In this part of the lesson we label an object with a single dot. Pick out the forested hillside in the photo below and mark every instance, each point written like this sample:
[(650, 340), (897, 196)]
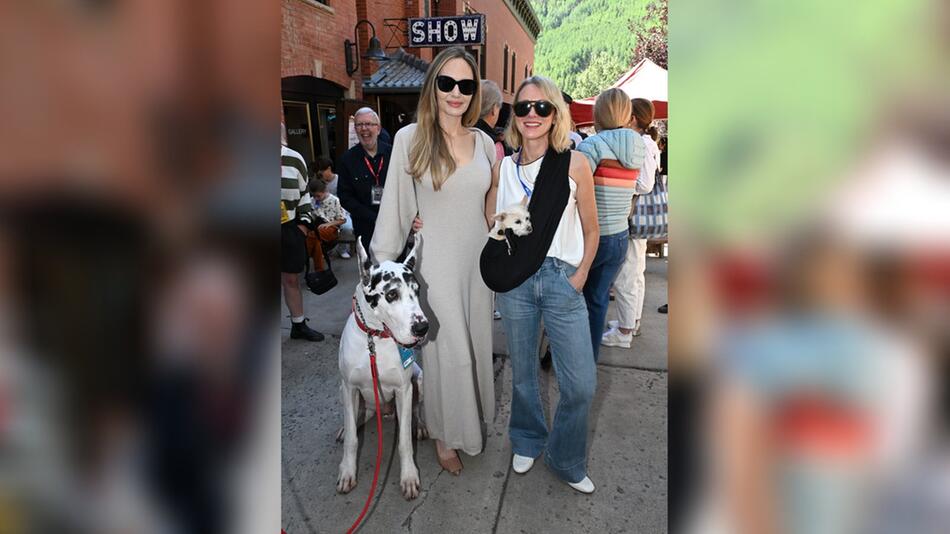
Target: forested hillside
[(586, 44)]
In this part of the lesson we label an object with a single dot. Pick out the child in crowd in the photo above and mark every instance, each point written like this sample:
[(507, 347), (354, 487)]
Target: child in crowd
[(329, 216), (324, 171)]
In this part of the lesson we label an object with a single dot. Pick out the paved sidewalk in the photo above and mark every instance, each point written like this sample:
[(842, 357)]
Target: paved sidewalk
[(627, 458)]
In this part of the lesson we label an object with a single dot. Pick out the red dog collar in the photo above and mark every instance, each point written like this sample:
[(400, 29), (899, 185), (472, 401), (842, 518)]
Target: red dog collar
[(369, 331)]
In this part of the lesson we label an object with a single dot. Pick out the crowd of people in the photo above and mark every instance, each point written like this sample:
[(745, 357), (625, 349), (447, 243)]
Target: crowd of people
[(445, 176)]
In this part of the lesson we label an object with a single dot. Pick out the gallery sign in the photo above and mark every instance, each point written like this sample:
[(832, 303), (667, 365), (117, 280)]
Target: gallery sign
[(447, 31)]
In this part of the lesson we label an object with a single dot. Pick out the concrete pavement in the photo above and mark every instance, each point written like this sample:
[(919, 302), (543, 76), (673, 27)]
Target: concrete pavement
[(627, 455)]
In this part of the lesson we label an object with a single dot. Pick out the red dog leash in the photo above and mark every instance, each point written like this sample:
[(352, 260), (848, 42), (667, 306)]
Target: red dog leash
[(371, 345)]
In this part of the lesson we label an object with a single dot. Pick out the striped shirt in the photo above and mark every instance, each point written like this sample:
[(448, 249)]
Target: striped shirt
[(616, 158), (293, 186)]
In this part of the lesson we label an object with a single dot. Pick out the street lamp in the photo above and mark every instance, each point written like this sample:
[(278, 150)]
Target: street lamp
[(375, 51)]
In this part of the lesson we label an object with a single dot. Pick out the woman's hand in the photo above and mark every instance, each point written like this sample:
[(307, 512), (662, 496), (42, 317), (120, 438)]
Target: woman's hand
[(416, 224), (578, 279)]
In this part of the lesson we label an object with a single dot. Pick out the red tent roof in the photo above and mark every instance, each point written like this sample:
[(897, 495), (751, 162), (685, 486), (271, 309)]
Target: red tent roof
[(645, 80)]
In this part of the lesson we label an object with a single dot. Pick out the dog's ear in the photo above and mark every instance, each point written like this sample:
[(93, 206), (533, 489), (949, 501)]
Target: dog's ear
[(499, 216), (363, 261), (410, 260)]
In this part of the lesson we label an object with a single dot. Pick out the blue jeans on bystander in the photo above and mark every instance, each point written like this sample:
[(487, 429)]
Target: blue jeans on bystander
[(611, 251)]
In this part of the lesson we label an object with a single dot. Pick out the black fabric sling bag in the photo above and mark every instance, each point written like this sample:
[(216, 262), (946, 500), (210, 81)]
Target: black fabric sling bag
[(502, 271)]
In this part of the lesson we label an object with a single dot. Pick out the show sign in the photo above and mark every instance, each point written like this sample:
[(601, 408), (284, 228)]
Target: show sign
[(447, 31)]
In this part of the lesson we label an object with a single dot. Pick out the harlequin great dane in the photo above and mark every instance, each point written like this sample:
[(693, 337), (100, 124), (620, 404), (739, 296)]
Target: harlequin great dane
[(386, 315)]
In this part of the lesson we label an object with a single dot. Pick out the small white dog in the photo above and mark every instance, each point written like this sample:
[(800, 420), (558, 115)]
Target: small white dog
[(516, 217), (386, 313)]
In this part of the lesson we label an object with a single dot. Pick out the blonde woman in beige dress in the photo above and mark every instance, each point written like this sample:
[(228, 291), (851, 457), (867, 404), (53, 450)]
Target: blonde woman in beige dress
[(442, 169)]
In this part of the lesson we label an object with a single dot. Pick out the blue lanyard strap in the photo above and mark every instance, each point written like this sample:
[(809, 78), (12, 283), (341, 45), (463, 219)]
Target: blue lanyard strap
[(518, 173)]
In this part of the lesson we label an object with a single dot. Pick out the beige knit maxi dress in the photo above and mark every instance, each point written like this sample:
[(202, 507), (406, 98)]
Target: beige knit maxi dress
[(458, 384)]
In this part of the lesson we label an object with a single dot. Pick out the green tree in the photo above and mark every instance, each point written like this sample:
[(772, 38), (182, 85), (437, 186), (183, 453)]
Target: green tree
[(585, 45), (650, 32), (600, 73)]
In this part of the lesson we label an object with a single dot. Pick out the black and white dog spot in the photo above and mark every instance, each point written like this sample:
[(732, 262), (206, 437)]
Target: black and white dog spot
[(372, 300)]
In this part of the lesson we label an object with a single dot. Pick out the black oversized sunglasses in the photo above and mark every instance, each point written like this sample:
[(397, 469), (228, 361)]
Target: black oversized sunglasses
[(447, 83), (542, 107)]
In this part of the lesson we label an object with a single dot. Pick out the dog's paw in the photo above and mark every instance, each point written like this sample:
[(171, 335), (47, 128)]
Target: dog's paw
[(346, 481), (410, 486), (421, 431)]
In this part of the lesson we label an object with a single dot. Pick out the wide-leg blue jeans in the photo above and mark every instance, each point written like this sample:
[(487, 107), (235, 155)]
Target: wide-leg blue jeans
[(548, 295)]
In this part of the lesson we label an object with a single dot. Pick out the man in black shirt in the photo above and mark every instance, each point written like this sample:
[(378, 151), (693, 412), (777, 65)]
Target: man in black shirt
[(362, 175)]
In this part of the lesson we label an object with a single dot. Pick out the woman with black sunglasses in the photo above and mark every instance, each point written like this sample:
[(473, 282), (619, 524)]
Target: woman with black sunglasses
[(441, 168), (559, 187)]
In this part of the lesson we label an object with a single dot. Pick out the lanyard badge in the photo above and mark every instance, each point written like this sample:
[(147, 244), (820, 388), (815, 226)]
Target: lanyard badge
[(377, 190)]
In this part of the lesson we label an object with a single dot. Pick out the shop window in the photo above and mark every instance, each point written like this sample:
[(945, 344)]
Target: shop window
[(514, 58), (299, 128), (478, 52), (482, 65), (504, 71), (326, 135)]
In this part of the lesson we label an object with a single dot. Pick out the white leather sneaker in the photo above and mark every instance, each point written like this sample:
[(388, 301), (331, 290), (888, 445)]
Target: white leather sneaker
[(521, 464), (615, 325), (616, 338), (584, 486)]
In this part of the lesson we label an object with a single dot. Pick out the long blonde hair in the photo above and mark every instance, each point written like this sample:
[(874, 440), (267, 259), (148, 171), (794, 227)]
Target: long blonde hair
[(429, 151), (559, 136)]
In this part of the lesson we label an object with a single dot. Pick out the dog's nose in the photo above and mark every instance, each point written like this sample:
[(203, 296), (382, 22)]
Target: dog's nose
[(419, 329)]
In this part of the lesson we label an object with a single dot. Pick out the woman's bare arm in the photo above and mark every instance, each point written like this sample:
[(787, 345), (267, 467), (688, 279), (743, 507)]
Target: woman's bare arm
[(587, 209)]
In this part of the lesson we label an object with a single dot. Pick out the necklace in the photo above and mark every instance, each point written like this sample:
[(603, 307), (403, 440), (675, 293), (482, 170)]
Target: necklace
[(528, 191)]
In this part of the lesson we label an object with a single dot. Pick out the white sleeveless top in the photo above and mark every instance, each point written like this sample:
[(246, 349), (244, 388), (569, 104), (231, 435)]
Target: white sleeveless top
[(568, 242)]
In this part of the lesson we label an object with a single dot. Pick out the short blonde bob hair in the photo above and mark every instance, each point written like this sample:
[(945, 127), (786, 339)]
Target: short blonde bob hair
[(612, 110), (559, 135)]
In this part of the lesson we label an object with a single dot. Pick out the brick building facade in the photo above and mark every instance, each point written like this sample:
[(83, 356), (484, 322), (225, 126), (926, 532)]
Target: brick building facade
[(318, 93)]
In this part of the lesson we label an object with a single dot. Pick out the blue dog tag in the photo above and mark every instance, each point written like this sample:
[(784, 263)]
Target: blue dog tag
[(407, 356)]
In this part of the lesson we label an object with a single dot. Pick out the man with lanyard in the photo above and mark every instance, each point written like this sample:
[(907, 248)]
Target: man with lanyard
[(362, 175)]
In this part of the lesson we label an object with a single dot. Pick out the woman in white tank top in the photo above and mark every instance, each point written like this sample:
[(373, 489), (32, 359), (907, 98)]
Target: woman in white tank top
[(568, 244), (553, 293)]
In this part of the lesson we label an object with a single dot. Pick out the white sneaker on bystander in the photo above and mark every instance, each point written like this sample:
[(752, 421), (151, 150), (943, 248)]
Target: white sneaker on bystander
[(615, 338)]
